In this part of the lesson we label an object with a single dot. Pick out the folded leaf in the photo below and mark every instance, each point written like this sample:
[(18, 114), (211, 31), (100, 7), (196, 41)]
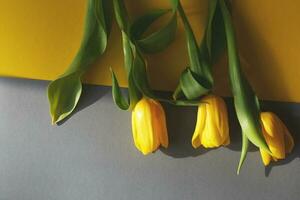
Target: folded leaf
[(193, 85), (160, 39), (201, 58), (59, 95), (142, 24), (64, 92)]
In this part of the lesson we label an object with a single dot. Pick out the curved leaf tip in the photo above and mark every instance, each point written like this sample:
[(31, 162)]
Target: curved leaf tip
[(118, 98), (63, 96), (64, 92)]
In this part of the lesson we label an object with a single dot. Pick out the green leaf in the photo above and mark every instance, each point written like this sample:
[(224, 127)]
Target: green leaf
[(193, 53), (200, 58), (134, 94), (140, 75), (64, 92), (174, 4), (63, 99), (215, 37), (121, 15), (192, 46), (245, 100), (193, 85), (160, 39), (119, 99), (142, 24), (128, 51), (214, 41), (135, 63), (178, 93), (245, 146)]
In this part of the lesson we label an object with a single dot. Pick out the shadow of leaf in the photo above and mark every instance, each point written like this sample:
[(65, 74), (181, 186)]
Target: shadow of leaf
[(90, 95), (181, 123)]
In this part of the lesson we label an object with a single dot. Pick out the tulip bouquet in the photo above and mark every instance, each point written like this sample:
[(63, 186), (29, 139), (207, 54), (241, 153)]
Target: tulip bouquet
[(263, 129)]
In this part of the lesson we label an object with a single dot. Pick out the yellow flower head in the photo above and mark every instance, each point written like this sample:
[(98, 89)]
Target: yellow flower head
[(277, 137), (212, 128), (149, 126)]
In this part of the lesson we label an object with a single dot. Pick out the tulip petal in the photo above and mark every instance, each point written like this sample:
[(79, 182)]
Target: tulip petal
[(155, 125), (212, 123), (134, 130), (273, 131), (227, 141), (159, 124), (268, 123), (196, 141), (223, 121), (150, 139), (211, 137), (289, 141), (143, 124), (201, 118), (266, 158)]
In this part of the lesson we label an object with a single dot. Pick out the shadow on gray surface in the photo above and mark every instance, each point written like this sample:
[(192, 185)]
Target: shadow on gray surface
[(181, 122), (90, 95)]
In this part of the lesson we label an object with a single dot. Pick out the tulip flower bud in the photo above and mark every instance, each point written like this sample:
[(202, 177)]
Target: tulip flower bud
[(277, 137), (212, 128), (149, 126)]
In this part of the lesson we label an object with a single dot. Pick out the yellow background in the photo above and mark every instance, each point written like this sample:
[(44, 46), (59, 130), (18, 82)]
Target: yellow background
[(39, 38)]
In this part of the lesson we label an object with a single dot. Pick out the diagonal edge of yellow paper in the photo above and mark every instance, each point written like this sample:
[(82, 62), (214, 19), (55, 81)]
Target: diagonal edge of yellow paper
[(38, 40)]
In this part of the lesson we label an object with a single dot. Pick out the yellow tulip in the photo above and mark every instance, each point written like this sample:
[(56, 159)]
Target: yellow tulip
[(149, 126), (277, 137), (212, 128)]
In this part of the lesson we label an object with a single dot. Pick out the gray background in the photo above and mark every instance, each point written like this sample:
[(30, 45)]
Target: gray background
[(92, 156)]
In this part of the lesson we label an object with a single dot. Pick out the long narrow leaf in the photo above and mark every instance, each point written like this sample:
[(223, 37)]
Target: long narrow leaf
[(118, 97), (134, 93), (192, 46), (215, 31), (123, 22), (245, 100), (245, 146)]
